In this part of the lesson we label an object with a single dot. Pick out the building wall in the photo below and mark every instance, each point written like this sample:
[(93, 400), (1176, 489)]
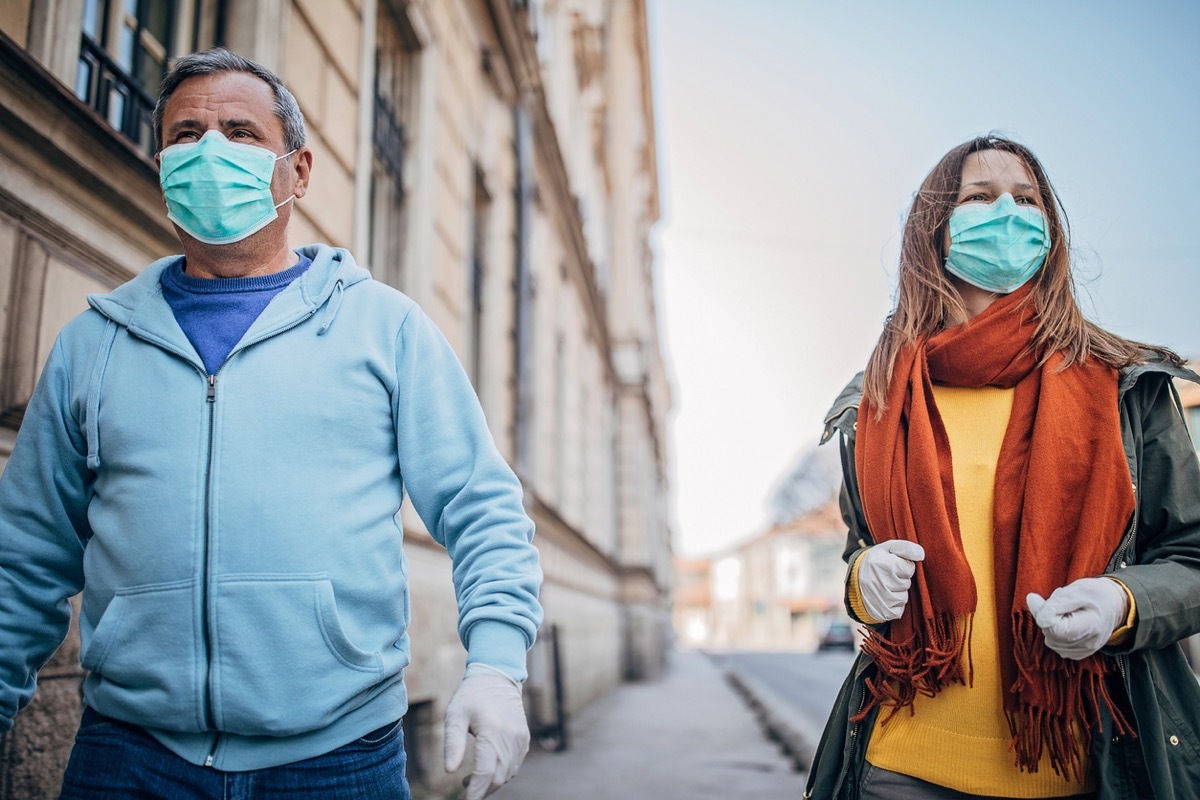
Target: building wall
[(555, 93)]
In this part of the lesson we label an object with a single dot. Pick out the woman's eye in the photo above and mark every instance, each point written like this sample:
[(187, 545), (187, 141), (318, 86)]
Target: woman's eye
[(975, 198), (1026, 201)]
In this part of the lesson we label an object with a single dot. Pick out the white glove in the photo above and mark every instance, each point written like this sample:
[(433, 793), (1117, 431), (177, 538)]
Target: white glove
[(1079, 618), (884, 574), (488, 704)]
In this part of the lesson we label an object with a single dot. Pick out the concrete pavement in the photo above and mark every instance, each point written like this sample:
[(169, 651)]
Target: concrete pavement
[(685, 736)]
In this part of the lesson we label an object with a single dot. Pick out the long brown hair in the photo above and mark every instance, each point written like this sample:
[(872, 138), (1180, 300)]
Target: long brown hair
[(927, 301)]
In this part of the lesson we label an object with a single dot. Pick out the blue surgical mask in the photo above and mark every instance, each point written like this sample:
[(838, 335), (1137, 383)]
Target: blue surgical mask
[(217, 190), (997, 246)]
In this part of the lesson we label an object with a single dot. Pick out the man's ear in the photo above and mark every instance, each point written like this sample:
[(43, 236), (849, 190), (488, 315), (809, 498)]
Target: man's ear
[(302, 169)]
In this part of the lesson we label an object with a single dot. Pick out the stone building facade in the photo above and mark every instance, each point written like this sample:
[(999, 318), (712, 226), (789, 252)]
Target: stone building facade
[(495, 160)]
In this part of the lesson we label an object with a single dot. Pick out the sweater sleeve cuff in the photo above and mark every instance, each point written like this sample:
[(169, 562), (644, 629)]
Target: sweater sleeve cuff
[(1123, 633), (855, 595), (498, 645)]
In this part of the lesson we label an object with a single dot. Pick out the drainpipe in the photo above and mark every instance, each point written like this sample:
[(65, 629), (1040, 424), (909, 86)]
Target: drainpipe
[(365, 149), (523, 355)]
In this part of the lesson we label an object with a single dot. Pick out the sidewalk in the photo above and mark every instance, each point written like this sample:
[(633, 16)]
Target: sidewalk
[(686, 736)]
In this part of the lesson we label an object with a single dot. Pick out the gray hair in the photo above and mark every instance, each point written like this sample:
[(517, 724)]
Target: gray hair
[(217, 60)]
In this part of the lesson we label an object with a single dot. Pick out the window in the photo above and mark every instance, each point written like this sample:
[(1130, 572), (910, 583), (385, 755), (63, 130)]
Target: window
[(125, 50), (122, 58), (396, 50), (1193, 419)]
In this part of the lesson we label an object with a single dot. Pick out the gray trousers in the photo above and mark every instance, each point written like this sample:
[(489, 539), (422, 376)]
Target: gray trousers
[(881, 784)]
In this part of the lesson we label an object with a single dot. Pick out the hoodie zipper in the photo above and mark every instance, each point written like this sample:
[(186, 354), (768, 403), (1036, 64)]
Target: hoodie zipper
[(209, 714), (205, 593)]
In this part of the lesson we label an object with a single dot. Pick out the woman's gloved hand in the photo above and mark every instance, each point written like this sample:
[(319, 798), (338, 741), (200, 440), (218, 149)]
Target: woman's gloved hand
[(885, 573), (1078, 619)]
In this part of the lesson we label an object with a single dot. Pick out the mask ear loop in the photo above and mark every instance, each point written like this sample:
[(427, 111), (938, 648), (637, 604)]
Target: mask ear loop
[(293, 196)]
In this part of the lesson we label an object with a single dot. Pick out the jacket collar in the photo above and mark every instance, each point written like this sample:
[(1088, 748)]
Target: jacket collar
[(1154, 363), (138, 305)]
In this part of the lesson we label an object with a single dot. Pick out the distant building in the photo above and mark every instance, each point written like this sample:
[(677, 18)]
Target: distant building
[(495, 160), (781, 589), (693, 606)]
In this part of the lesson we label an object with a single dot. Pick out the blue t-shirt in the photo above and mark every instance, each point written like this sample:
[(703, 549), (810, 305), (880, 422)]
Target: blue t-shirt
[(215, 313)]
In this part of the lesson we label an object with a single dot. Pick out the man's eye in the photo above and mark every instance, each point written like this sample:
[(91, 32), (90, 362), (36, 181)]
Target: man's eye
[(240, 135), (186, 135)]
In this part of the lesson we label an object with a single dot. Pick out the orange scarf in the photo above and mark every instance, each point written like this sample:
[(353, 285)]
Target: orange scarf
[(1063, 498)]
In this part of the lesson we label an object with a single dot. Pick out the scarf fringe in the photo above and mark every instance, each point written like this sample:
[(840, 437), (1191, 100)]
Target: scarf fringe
[(1053, 695), (1049, 698), (937, 654)]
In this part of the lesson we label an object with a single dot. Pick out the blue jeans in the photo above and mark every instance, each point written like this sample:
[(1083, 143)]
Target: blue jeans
[(114, 760)]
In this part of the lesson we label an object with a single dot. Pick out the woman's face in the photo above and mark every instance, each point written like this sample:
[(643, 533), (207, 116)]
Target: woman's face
[(986, 175)]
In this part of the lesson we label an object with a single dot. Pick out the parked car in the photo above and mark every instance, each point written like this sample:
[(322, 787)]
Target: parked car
[(838, 636)]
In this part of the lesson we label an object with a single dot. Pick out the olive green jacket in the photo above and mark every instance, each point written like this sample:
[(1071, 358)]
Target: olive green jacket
[(1158, 559)]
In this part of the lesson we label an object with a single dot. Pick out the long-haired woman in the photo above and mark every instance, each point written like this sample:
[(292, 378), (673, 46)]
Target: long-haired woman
[(1023, 504)]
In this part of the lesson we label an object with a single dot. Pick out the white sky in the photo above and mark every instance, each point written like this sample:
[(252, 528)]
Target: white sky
[(792, 134)]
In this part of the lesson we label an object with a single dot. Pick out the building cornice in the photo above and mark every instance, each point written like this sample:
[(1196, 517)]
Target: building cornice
[(642, 31)]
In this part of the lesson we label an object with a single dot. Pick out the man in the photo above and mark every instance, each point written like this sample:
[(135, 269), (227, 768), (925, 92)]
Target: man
[(215, 455)]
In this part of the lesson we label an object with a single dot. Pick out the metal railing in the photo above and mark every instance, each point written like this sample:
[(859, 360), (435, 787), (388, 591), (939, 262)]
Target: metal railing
[(115, 94), (389, 139)]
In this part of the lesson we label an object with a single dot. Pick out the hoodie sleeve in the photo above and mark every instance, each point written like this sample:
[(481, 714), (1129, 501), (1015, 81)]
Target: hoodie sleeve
[(44, 493), (468, 497)]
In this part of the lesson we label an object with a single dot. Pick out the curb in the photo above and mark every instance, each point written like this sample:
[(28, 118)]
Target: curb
[(771, 710)]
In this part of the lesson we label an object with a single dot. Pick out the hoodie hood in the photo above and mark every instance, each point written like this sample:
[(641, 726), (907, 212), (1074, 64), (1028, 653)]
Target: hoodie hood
[(139, 306)]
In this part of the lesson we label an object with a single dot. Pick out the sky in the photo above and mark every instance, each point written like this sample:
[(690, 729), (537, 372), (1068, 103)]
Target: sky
[(792, 135)]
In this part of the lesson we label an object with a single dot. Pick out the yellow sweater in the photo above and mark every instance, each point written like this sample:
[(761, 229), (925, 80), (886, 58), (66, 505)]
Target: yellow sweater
[(959, 738)]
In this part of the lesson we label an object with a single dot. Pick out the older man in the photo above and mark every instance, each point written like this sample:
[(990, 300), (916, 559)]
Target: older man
[(215, 455)]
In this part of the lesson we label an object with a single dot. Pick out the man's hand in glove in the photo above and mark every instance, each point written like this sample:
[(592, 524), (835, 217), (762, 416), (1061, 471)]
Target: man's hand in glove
[(488, 705)]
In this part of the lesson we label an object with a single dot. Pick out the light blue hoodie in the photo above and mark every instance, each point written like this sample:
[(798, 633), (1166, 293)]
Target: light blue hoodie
[(236, 536)]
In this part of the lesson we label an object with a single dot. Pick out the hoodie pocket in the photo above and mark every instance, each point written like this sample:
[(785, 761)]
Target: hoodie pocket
[(282, 664), (143, 659)]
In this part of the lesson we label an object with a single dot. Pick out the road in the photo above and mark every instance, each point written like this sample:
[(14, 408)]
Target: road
[(809, 682), (791, 692)]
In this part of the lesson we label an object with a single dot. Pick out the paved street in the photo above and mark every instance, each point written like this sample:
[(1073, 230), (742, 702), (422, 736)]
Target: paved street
[(686, 736), (791, 694), (807, 682)]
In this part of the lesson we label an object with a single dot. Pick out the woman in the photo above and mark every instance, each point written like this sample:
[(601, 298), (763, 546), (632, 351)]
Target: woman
[(1023, 502)]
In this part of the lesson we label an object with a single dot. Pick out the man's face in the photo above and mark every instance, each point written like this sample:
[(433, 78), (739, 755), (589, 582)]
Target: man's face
[(237, 104), (242, 108)]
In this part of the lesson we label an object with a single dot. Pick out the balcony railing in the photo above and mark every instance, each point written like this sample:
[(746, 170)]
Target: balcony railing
[(114, 94), (389, 139)]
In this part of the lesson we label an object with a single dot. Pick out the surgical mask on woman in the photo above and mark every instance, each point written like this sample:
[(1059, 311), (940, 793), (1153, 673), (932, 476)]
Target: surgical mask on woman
[(997, 246), (217, 190)]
